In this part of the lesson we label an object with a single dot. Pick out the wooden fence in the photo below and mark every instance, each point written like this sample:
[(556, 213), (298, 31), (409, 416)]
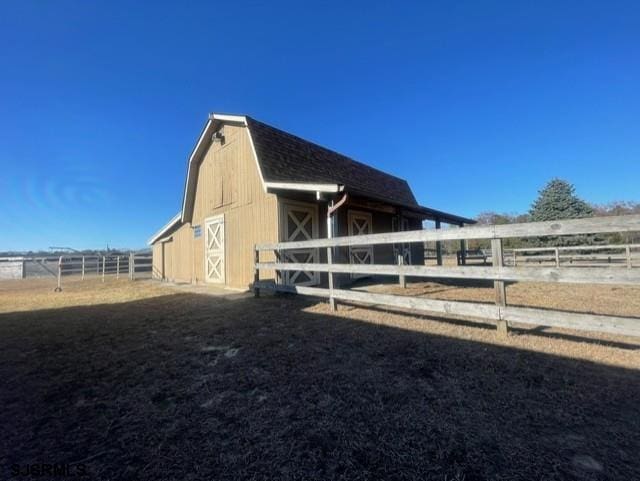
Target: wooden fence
[(499, 273), (132, 265), (623, 255)]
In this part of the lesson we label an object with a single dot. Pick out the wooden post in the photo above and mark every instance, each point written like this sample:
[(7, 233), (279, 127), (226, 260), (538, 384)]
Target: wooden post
[(83, 268), (557, 252), (438, 246), (59, 286), (256, 272), (401, 279), (103, 266), (132, 266), (501, 291), (463, 252), (118, 267), (278, 274), (332, 301), (628, 251)]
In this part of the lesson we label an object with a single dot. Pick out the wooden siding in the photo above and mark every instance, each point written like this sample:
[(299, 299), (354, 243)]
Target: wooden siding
[(156, 272), (182, 251), (167, 260), (229, 183)]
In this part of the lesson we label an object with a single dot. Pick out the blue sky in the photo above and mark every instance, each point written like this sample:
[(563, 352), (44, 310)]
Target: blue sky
[(476, 104)]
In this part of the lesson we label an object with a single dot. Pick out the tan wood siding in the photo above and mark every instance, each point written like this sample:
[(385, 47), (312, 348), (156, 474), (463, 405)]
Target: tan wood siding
[(182, 268), (229, 183), (167, 259), (157, 260)]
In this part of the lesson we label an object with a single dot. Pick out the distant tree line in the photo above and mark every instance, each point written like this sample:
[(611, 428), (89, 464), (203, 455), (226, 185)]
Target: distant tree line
[(556, 201)]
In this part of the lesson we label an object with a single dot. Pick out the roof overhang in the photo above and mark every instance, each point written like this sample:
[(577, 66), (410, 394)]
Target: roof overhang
[(175, 220), (433, 214)]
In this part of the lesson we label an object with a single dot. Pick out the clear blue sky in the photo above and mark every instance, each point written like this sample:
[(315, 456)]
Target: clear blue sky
[(477, 104)]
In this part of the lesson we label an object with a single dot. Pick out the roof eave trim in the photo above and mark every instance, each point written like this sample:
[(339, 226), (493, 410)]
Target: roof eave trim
[(188, 183), (240, 119), (306, 187), (172, 223)]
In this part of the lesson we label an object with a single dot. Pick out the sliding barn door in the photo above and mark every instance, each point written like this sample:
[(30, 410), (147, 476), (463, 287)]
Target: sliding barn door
[(299, 222), (214, 250), (360, 223)]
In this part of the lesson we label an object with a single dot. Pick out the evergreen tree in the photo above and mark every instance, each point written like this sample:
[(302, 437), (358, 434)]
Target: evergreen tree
[(558, 201)]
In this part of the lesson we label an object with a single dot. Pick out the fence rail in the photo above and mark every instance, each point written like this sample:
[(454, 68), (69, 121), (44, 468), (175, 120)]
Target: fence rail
[(622, 255), (501, 313)]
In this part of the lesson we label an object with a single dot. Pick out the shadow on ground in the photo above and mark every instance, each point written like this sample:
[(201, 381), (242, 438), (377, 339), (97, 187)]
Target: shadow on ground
[(190, 387)]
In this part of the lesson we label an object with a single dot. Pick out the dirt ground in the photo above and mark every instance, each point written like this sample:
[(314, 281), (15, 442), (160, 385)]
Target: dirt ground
[(139, 380)]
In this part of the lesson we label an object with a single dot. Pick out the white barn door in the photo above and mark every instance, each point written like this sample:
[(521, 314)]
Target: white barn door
[(300, 223), (360, 223), (214, 261)]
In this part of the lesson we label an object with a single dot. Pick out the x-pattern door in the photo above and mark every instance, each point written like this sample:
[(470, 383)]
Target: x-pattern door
[(300, 224), (360, 223), (214, 250)]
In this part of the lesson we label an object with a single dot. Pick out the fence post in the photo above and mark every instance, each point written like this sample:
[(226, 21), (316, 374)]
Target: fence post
[(332, 301), (557, 253), (118, 267), (628, 250), (59, 286), (501, 291), (256, 271), (278, 274), (83, 268), (401, 278), (132, 266), (103, 266), (438, 246)]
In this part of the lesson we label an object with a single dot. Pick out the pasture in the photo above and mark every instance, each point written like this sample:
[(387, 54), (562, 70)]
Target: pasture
[(140, 380)]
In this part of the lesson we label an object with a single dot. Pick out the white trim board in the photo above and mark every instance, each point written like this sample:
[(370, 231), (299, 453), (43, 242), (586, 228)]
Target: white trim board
[(174, 220), (305, 187)]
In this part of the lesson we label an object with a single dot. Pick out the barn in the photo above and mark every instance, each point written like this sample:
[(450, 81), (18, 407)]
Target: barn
[(248, 182)]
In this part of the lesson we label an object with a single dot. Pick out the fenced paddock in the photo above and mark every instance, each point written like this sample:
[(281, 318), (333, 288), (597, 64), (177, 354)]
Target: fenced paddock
[(131, 265), (501, 312)]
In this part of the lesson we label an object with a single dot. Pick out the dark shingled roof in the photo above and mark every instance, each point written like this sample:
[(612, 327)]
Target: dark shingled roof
[(287, 158)]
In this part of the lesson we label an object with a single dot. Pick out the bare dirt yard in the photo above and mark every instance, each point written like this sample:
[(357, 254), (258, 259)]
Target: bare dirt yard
[(141, 381)]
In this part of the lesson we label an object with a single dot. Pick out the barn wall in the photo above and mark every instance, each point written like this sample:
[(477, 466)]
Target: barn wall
[(182, 254), (229, 183), (167, 259), (156, 252)]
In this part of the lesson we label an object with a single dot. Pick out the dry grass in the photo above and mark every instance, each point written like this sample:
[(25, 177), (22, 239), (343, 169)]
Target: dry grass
[(139, 381), (31, 294)]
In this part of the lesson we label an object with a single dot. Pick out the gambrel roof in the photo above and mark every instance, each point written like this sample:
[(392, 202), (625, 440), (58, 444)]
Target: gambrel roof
[(284, 157), (287, 162)]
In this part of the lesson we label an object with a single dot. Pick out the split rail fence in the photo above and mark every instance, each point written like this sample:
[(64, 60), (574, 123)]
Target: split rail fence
[(500, 312)]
